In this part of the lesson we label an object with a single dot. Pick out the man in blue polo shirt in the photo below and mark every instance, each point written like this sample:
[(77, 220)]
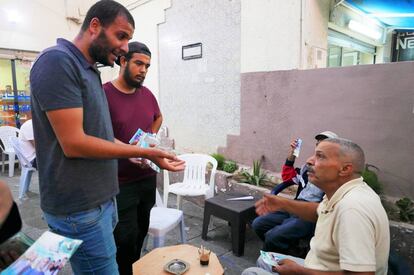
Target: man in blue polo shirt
[(75, 144)]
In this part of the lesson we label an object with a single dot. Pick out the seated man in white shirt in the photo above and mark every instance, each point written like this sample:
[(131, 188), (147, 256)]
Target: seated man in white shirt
[(27, 142), (352, 230)]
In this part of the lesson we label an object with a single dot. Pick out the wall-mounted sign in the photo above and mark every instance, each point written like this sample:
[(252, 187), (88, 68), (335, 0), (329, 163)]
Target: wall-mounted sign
[(402, 46), (192, 51)]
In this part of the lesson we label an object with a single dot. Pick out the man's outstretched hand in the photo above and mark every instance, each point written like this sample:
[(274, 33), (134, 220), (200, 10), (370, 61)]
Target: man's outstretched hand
[(165, 160), (292, 148), (269, 203), (287, 266)]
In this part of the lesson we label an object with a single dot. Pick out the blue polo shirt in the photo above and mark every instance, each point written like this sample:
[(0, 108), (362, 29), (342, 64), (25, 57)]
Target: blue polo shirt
[(62, 78)]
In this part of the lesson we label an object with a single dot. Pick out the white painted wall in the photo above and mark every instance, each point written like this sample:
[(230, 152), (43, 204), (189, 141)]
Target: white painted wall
[(200, 98), (147, 17), (41, 22), (38, 24), (315, 34), (270, 35), (283, 35)]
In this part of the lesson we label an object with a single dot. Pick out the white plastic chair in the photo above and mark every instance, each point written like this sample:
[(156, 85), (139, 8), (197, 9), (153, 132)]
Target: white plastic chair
[(27, 168), (163, 220), (5, 133), (194, 181)]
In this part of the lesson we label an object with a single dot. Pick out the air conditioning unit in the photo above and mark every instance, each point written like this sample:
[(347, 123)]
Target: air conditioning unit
[(318, 58)]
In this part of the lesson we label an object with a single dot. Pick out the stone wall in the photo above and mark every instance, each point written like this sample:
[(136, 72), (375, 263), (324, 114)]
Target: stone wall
[(200, 98), (402, 241)]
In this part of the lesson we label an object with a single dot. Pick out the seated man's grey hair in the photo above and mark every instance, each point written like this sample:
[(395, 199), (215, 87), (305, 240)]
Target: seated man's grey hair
[(350, 149)]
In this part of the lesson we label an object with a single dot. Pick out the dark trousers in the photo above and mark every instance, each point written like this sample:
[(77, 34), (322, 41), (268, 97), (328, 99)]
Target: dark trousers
[(279, 230), (34, 163), (135, 201)]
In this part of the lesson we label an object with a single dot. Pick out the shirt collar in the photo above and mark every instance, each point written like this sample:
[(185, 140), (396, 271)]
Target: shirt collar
[(327, 205), (79, 55)]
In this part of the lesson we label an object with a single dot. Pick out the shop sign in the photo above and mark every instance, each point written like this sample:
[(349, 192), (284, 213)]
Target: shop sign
[(402, 46)]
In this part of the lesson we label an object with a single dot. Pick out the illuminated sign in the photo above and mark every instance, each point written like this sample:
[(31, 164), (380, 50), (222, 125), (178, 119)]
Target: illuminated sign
[(403, 46)]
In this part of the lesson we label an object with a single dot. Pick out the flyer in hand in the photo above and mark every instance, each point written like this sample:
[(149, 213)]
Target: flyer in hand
[(270, 258), (47, 255), (137, 136), (146, 140)]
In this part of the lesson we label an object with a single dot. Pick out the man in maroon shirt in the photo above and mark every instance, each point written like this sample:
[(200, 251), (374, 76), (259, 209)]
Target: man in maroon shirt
[(133, 106)]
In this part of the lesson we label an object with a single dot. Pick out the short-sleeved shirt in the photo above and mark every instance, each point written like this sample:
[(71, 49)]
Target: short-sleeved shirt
[(26, 138), (129, 112), (62, 78), (352, 232)]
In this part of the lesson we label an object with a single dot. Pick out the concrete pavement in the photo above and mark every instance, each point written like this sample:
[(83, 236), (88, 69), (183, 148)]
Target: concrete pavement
[(219, 238)]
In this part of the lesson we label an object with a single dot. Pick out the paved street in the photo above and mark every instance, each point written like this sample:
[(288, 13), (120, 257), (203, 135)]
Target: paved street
[(219, 238)]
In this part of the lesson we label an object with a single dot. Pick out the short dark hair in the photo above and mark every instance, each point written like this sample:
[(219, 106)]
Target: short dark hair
[(351, 149), (106, 11), (134, 47)]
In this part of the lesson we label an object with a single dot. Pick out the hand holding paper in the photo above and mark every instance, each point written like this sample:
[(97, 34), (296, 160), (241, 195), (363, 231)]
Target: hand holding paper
[(145, 140)]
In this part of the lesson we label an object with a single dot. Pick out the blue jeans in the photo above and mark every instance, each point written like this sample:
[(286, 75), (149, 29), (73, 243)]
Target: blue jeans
[(279, 230), (97, 253)]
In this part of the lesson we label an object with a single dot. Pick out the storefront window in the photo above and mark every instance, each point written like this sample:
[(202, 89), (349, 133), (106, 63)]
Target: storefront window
[(347, 51), (334, 56), (23, 88), (7, 109), (14, 92)]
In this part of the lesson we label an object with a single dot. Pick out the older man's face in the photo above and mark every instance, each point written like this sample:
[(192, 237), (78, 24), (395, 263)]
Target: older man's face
[(325, 165)]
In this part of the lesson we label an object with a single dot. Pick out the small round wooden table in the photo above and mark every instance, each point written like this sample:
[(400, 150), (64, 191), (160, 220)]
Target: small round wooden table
[(153, 262)]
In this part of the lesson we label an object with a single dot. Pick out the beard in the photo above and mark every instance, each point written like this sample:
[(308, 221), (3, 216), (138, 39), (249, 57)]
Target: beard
[(130, 80), (100, 50)]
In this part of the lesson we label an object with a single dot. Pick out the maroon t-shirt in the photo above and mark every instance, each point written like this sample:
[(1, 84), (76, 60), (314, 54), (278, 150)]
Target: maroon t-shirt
[(129, 112)]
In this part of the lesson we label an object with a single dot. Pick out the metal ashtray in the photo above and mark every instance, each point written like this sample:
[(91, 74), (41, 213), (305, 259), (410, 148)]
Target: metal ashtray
[(176, 266)]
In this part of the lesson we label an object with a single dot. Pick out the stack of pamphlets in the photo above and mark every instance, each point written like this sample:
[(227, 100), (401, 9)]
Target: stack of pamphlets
[(47, 255), (146, 140), (271, 258)]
